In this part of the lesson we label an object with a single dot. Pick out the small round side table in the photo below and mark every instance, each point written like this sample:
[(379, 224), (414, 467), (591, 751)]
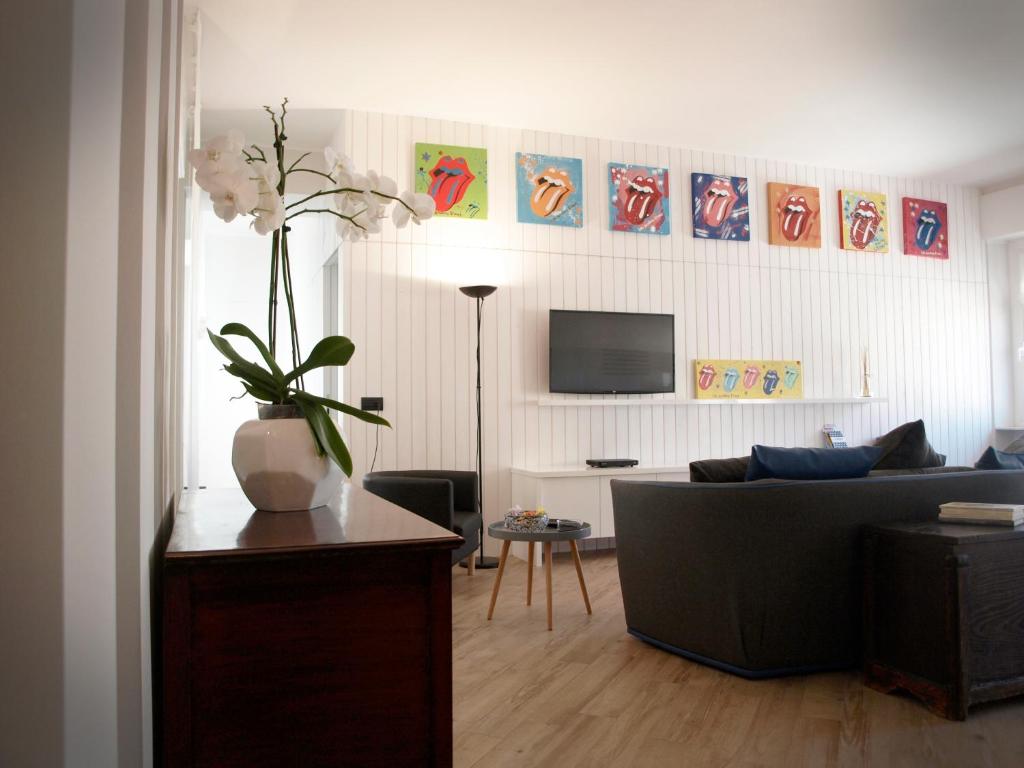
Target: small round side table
[(546, 537)]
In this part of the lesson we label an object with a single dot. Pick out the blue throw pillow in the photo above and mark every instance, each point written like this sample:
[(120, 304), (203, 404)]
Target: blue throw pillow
[(811, 463), (993, 459)]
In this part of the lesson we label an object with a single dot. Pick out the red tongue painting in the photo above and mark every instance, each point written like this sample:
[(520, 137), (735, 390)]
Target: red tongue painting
[(450, 178), (864, 223), (719, 199), (794, 217), (642, 198)]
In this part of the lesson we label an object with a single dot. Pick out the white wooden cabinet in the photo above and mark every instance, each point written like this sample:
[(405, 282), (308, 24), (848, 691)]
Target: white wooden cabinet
[(580, 493)]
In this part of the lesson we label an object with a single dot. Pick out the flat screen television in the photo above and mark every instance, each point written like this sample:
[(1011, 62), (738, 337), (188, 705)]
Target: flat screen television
[(611, 353)]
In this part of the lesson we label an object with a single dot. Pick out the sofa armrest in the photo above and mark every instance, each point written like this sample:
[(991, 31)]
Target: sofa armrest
[(696, 577), (430, 498)]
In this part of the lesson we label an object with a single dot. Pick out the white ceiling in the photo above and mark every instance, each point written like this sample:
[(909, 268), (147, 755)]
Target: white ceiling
[(925, 88)]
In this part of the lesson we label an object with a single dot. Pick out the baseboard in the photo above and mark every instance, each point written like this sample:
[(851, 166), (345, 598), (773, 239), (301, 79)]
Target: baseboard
[(749, 674)]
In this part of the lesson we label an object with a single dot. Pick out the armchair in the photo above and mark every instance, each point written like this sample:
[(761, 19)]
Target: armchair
[(447, 498)]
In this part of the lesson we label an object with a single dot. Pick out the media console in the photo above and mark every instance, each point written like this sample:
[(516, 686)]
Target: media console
[(581, 493)]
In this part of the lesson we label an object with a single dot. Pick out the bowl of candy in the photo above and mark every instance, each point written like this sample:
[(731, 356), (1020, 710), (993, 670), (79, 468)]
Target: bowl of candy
[(526, 520)]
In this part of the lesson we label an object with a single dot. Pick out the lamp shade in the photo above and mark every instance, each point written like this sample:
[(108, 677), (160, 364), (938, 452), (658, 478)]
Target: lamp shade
[(478, 291)]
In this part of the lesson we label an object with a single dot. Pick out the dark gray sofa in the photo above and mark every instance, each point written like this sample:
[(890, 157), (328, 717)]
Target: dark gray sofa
[(764, 579)]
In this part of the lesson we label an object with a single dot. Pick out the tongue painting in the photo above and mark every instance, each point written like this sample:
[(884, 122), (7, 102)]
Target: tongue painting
[(928, 226), (706, 377), (794, 217), (750, 376), (642, 198), (719, 199), (449, 179), (553, 187), (864, 223)]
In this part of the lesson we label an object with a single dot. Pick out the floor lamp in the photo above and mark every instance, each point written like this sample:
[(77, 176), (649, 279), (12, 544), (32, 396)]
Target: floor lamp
[(480, 292)]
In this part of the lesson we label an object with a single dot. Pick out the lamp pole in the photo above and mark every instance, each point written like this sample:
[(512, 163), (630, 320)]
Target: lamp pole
[(480, 292)]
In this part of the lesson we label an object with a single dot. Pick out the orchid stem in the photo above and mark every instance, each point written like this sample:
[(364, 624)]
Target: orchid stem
[(302, 157), (310, 170), (272, 302), (323, 192), (350, 219)]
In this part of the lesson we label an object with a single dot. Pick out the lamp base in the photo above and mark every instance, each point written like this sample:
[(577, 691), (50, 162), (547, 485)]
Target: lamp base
[(482, 562)]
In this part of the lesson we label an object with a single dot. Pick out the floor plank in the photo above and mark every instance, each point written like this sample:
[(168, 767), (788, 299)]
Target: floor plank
[(587, 694)]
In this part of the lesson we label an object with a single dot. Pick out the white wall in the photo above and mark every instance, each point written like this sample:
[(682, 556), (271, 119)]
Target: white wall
[(925, 321), (33, 209), (89, 291), (1002, 213), (1000, 288)]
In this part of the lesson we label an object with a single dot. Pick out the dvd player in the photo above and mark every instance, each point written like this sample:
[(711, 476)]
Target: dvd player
[(607, 463)]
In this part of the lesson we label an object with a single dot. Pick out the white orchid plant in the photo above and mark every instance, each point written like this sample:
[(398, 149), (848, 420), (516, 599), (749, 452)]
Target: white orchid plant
[(246, 180)]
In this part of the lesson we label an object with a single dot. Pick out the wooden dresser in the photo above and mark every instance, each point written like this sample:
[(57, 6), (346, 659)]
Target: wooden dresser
[(319, 638), (944, 613)]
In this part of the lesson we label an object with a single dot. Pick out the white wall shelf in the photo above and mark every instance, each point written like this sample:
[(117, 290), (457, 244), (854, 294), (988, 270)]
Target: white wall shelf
[(559, 402)]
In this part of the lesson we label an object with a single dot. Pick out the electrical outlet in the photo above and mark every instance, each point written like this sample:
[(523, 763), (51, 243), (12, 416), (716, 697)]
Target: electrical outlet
[(372, 403)]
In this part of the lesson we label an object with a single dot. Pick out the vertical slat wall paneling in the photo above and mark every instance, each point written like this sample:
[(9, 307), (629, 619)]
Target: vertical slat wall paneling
[(924, 321)]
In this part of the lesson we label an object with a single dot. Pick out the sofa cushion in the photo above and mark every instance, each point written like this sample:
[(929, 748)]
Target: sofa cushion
[(811, 463), (993, 459), (907, 447), (719, 470)]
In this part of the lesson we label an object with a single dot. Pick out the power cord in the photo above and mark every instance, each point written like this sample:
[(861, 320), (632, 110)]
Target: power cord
[(376, 445)]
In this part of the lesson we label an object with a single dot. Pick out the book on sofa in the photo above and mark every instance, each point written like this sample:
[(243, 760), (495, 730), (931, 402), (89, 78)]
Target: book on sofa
[(981, 514)]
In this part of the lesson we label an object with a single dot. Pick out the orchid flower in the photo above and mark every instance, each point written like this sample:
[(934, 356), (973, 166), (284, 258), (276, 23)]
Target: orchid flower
[(418, 207), (234, 194)]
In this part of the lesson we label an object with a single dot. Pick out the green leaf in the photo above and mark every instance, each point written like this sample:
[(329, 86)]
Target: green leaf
[(271, 393), (332, 350), (237, 329), (257, 393), (326, 433), (243, 368), (357, 413)]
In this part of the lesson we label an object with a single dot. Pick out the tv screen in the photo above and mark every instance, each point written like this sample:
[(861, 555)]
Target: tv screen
[(606, 353)]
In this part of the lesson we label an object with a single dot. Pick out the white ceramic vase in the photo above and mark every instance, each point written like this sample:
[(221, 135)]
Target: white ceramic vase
[(276, 463)]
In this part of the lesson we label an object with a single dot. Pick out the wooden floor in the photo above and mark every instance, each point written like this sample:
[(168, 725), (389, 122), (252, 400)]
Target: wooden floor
[(588, 694)]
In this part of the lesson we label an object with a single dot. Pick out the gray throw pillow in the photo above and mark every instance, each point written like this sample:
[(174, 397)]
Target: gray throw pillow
[(907, 447), (719, 470)]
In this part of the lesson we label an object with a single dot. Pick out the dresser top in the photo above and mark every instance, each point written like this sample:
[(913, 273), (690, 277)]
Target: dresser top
[(223, 522), (953, 533)]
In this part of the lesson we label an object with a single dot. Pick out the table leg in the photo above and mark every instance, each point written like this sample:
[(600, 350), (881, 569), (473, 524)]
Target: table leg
[(529, 575), (497, 581), (547, 575), (579, 572)]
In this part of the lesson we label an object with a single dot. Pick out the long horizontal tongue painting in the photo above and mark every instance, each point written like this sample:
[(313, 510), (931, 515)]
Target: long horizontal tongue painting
[(748, 379), (455, 177), (863, 221), (639, 199), (721, 207)]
